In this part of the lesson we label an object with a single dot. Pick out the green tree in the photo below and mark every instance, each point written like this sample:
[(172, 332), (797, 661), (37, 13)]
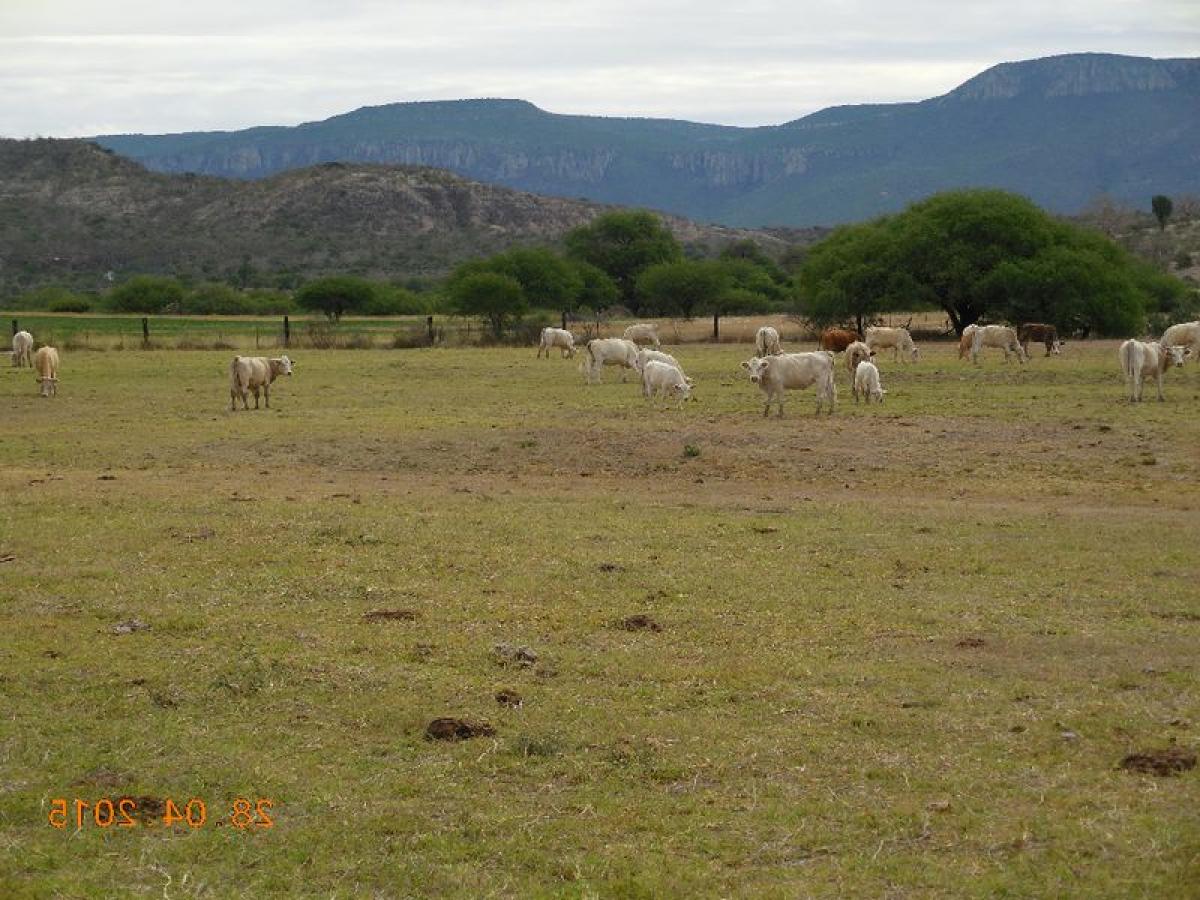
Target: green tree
[(147, 294), (494, 297), (623, 245), (1162, 207), (851, 276), (733, 301), (597, 291), (547, 280), (336, 295), (681, 288)]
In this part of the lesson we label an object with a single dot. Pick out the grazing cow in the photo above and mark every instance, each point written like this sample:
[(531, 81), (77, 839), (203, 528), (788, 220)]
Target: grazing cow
[(896, 339), (837, 339), (557, 337), (996, 336), (22, 352), (964, 342), (1140, 360), (776, 374), (254, 373), (1044, 334), (663, 379), (45, 363), (866, 382), (766, 341), (1185, 334), (856, 353), (608, 352), (642, 334), (644, 356)]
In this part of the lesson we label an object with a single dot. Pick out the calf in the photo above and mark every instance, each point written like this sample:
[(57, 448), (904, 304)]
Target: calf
[(1044, 334), (1140, 360), (866, 382), (663, 379), (603, 352), (642, 333), (996, 336), (856, 353), (789, 371), (255, 373), (22, 352), (45, 363), (644, 356), (766, 342), (964, 342), (557, 337), (895, 339), (837, 339)]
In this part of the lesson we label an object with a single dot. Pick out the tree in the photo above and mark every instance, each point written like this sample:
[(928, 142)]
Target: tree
[(336, 295), (732, 301), (851, 275), (623, 245), (489, 295), (547, 280), (680, 288), (1162, 207), (147, 294)]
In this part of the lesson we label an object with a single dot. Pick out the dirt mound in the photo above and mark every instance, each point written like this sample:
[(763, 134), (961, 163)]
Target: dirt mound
[(450, 729), (1163, 763), (971, 643), (513, 655), (390, 615), (640, 622), (509, 698)]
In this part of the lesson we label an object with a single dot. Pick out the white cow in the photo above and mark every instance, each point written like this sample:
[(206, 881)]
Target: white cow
[(22, 352), (1185, 334), (1140, 360), (557, 337), (996, 336), (642, 333), (965, 342), (662, 379), (866, 382), (45, 363), (608, 352), (254, 373), (776, 374), (766, 342), (856, 352), (644, 356), (896, 339)]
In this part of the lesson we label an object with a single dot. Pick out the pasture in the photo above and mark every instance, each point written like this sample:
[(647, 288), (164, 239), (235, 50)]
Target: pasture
[(899, 651)]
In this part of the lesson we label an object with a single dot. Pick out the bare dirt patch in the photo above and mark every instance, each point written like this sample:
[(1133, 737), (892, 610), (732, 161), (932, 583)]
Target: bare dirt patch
[(971, 643), (639, 622), (391, 615), (508, 697), (513, 655), (1163, 763), (448, 728), (129, 627)]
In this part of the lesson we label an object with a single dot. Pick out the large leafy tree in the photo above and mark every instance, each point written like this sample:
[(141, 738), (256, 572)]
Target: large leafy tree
[(336, 295), (681, 288), (623, 245), (1162, 207), (492, 296), (147, 294)]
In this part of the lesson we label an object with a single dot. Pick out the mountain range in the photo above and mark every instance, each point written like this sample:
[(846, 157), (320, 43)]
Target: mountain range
[(1063, 130)]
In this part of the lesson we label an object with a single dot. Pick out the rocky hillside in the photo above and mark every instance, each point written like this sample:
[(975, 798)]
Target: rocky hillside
[(71, 211), (1062, 130)]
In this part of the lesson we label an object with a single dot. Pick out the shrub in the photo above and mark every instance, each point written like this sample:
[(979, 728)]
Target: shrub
[(71, 305), (147, 294)]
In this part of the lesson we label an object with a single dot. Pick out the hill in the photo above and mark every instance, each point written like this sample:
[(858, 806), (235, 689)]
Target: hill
[(1061, 130), (71, 211)]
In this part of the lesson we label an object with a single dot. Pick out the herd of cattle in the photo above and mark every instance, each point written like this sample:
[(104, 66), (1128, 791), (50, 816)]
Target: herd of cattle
[(774, 371)]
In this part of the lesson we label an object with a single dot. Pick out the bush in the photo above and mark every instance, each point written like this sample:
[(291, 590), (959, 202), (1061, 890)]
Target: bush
[(147, 294), (71, 305), (395, 301)]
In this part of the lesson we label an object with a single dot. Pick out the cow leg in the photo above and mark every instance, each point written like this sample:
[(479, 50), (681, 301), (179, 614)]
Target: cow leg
[(255, 389), (267, 395), (1159, 379)]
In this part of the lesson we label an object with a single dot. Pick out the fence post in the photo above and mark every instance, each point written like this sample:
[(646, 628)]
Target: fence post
[(257, 345), (564, 318), (429, 328), (145, 331), (15, 329), (287, 332), (716, 328)]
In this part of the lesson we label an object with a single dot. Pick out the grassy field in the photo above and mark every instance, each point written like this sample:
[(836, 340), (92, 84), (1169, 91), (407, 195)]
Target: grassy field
[(900, 651)]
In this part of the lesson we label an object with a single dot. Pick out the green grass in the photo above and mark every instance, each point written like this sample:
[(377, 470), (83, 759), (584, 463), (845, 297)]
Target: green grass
[(815, 718)]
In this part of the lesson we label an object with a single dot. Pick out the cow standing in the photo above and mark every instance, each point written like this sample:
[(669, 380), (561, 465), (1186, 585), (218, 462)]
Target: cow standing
[(897, 340), (45, 363), (22, 349), (790, 371), (1000, 336), (255, 373), (766, 341), (1185, 334), (1044, 334), (837, 339), (556, 337), (643, 333), (601, 352), (1140, 360)]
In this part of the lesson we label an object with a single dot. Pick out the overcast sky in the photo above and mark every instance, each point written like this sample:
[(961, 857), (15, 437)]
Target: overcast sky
[(80, 67)]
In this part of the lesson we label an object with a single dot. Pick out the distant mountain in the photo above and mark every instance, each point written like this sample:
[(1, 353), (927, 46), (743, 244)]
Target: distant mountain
[(1062, 130), (71, 211)]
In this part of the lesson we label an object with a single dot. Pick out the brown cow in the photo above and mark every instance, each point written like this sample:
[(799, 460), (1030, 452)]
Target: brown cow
[(838, 339), (1036, 331)]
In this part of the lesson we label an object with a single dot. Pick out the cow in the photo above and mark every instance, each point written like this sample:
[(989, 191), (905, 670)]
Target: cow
[(602, 352), (644, 356), (837, 339), (896, 339), (866, 382), (642, 333), (776, 374), (996, 336), (255, 373), (663, 379), (964, 342), (856, 353), (1044, 334), (22, 352), (557, 337), (1185, 334), (45, 363), (766, 341), (1140, 360)]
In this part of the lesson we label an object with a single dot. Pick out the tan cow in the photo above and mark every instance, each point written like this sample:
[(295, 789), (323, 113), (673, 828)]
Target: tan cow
[(665, 380), (255, 373), (855, 353), (1140, 360), (964, 342), (996, 336), (866, 382), (789, 371), (1185, 334), (45, 363), (557, 337), (642, 333), (22, 352), (895, 339), (603, 352), (766, 341)]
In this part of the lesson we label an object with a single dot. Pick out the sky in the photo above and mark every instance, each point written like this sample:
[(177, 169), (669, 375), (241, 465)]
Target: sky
[(82, 67)]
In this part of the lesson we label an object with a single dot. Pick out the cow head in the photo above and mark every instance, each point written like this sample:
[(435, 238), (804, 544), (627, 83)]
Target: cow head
[(757, 367), (682, 390), (916, 352), (1176, 354), (49, 386), (1056, 347), (285, 366)]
